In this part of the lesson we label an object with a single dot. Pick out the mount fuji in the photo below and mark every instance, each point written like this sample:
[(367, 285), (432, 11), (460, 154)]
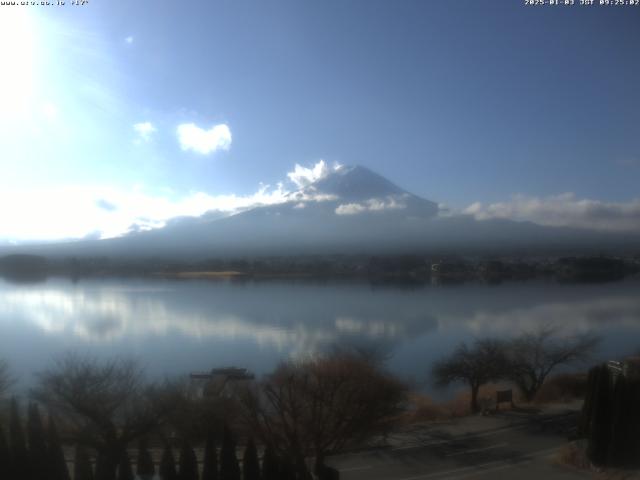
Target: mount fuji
[(351, 210)]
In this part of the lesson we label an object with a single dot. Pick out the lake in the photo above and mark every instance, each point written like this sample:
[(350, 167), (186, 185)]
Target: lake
[(178, 326)]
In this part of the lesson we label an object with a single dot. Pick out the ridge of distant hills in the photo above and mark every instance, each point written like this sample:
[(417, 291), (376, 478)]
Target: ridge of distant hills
[(350, 211)]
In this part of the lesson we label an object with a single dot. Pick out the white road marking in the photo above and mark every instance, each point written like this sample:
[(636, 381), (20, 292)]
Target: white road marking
[(498, 445)]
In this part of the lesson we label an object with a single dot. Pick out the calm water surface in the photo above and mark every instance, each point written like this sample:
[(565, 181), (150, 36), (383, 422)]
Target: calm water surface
[(175, 327)]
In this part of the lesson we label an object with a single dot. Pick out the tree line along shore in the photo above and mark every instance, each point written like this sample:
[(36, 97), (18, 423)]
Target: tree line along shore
[(105, 420), (378, 268)]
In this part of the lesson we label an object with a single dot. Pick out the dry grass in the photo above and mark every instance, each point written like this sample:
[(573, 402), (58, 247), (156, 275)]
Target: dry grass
[(425, 409), (574, 455), (563, 388), (618, 475), (486, 399)]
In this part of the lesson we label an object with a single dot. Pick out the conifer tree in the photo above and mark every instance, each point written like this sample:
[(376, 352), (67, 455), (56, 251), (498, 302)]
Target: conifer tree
[(37, 443), (19, 453), (270, 469), (188, 462), (600, 425), (103, 470), (168, 464), (5, 457), (82, 469), (145, 467), (619, 423), (210, 462), (287, 471), (56, 463), (250, 465), (584, 423), (229, 468), (125, 472)]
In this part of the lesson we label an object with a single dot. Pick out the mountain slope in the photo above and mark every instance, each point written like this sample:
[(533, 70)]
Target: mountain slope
[(351, 210)]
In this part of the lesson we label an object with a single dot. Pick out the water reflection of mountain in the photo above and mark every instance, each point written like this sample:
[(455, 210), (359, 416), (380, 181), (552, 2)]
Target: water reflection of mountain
[(303, 317), (281, 315)]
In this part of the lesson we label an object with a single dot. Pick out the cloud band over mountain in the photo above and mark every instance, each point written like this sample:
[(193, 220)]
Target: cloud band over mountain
[(106, 212), (564, 210)]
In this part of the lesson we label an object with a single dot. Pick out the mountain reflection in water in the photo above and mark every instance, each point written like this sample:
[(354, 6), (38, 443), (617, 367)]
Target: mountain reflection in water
[(175, 326)]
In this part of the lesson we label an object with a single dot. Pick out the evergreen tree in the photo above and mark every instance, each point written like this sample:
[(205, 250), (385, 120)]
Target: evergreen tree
[(145, 467), (229, 468), (633, 407), (37, 443), (600, 424), (619, 422), (287, 471), (611, 418), (188, 462), (82, 469), (270, 469), (19, 453), (210, 467), (102, 470), (625, 427), (5, 457), (56, 463), (125, 472), (250, 465), (168, 465), (584, 423), (324, 472), (107, 462)]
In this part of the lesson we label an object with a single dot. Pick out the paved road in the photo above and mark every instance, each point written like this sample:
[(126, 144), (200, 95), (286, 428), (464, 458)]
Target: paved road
[(519, 450)]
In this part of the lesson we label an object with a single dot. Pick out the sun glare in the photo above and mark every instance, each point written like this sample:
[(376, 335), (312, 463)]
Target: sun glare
[(17, 53)]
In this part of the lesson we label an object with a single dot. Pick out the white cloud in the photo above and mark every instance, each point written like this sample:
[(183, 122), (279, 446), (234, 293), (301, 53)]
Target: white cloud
[(564, 210), (372, 205), (310, 195), (302, 176), (128, 40), (350, 209), (192, 137), (144, 130), (68, 212), (49, 111), (75, 212)]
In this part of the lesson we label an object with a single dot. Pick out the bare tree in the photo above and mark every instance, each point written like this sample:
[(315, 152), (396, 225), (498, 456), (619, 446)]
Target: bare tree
[(106, 404), (476, 365), (318, 406), (196, 414), (533, 355)]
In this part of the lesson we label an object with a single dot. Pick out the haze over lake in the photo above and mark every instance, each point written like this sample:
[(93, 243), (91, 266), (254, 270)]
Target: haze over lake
[(177, 326)]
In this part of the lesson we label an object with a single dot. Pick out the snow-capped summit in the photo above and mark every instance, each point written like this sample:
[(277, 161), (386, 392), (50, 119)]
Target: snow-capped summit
[(355, 183), (345, 210), (356, 190)]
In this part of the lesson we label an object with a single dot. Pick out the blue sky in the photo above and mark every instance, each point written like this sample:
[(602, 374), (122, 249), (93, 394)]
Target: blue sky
[(120, 110)]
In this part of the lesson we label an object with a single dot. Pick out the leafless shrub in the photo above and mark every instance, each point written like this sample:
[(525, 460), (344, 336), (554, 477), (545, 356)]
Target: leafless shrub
[(106, 405), (476, 366), (533, 355), (322, 405), (562, 388)]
